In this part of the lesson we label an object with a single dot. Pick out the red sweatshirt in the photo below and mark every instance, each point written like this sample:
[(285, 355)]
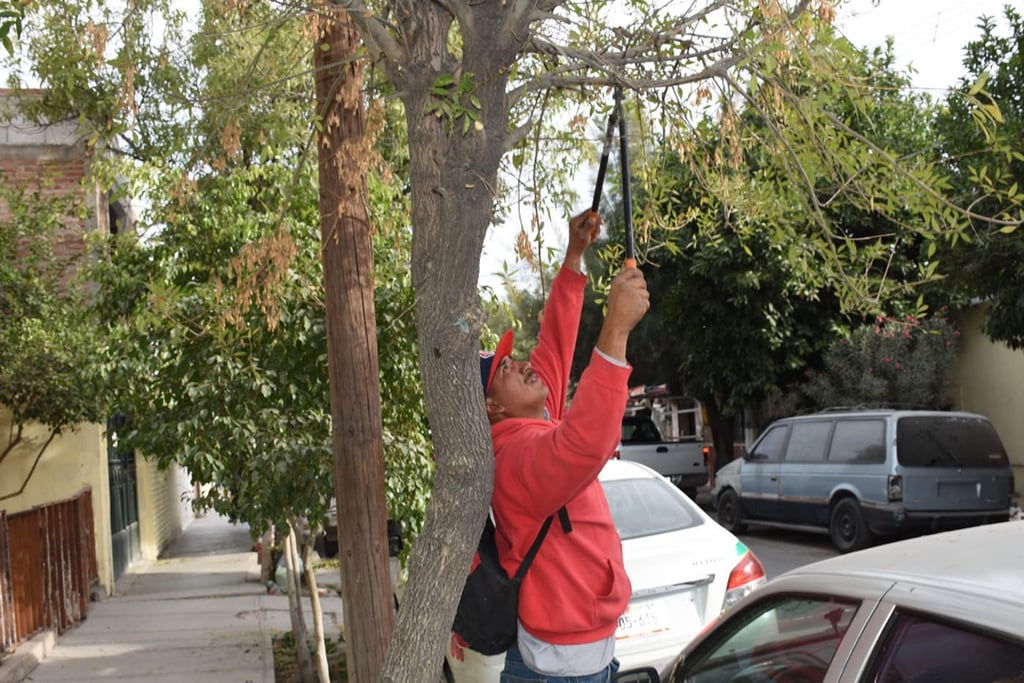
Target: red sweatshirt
[(577, 587)]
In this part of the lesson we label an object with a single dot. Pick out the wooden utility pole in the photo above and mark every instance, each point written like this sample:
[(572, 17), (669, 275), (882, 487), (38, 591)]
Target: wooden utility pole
[(347, 252)]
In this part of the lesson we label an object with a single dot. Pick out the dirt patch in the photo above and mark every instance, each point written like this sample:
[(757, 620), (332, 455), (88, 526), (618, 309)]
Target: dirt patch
[(285, 667)]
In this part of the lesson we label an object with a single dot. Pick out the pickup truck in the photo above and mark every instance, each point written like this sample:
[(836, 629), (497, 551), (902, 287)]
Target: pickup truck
[(683, 462)]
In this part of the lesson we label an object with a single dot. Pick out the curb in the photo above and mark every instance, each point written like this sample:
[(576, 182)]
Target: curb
[(17, 666), (267, 643)]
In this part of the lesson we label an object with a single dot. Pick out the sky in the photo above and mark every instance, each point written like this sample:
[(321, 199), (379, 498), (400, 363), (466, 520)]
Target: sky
[(928, 35)]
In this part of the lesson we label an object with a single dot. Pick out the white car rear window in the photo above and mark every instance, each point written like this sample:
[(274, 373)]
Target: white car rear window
[(645, 507)]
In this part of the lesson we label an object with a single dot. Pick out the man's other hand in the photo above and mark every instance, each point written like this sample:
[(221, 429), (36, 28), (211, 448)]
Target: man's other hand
[(584, 230), (628, 302)]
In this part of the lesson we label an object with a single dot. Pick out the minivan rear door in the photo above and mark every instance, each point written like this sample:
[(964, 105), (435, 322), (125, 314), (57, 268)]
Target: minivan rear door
[(952, 462)]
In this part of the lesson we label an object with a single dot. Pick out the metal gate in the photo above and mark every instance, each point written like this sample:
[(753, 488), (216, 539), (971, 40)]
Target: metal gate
[(124, 507)]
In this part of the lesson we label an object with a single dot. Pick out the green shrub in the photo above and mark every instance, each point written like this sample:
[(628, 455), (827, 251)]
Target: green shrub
[(897, 362)]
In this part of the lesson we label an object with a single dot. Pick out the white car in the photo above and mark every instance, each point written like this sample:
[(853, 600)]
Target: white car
[(685, 570)]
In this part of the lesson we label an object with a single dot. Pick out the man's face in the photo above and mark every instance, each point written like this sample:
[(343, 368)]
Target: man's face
[(516, 391)]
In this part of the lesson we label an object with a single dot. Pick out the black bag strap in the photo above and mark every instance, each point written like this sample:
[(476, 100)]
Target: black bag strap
[(563, 517), (532, 552)]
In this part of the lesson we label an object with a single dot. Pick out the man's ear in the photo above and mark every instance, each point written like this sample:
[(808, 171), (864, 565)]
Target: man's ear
[(494, 409)]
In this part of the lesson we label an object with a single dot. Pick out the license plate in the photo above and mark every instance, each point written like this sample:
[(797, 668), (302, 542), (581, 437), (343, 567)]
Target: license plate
[(645, 617)]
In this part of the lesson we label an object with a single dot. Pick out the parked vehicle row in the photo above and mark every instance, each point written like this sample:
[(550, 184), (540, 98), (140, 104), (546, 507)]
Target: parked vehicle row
[(864, 474), (922, 610)]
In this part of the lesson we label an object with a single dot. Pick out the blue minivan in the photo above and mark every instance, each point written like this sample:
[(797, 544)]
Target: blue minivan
[(861, 474)]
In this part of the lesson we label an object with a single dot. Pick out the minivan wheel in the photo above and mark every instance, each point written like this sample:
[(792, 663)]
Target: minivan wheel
[(730, 514), (847, 526)]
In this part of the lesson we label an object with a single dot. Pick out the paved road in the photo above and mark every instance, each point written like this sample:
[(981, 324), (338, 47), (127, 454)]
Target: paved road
[(780, 550)]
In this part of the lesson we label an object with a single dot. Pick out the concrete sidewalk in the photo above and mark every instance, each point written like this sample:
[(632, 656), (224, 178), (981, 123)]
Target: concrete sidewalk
[(199, 614)]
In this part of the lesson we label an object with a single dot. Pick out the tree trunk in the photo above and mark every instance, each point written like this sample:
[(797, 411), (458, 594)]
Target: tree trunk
[(294, 587), (266, 555), (322, 670), (454, 179), (722, 430), (347, 252)]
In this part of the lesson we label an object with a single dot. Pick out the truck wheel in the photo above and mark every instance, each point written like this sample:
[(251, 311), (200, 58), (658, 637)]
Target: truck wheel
[(730, 514), (847, 527)]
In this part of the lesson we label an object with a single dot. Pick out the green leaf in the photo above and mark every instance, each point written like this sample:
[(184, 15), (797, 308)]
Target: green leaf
[(979, 84)]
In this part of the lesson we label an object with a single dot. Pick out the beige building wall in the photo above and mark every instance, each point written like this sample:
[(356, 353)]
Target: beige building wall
[(77, 458), (164, 508), (70, 462), (989, 379)]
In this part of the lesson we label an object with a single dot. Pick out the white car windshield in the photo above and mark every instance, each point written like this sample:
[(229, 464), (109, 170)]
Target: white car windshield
[(648, 506)]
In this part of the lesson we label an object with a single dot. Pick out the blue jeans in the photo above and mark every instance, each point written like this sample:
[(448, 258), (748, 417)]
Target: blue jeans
[(516, 671)]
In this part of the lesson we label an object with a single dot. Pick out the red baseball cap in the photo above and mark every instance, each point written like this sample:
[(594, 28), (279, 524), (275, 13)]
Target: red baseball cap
[(490, 360)]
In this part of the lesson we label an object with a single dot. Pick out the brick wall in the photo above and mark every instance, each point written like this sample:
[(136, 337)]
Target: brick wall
[(53, 161), (55, 171)]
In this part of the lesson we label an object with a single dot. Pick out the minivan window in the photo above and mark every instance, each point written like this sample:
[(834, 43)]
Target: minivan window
[(807, 441), (769, 448), (858, 442), (948, 441)]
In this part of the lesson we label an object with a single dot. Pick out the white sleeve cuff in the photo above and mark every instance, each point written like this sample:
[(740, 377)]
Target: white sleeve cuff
[(613, 361)]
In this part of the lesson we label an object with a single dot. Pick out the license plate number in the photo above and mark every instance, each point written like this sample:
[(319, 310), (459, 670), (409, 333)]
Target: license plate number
[(644, 617)]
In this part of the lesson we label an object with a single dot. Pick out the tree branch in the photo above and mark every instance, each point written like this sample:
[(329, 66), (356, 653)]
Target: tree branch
[(924, 187), (13, 439), (608, 68), (818, 213), (32, 470), (377, 34)]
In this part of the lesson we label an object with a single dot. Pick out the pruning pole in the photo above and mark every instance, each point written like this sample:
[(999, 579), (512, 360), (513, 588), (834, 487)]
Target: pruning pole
[(603, 168), (627, 194)]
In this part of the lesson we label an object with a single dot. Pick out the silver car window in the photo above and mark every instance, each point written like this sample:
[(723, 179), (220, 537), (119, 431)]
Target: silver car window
[(785, 638), (922, 649)]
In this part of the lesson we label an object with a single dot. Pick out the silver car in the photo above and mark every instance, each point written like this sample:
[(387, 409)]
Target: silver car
[(944, 608)]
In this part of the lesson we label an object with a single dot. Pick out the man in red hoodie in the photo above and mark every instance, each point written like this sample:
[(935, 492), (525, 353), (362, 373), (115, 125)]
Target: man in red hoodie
[(547, 459)]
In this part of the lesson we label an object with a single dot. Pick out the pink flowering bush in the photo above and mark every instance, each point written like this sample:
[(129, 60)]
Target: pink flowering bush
[(895, 361)]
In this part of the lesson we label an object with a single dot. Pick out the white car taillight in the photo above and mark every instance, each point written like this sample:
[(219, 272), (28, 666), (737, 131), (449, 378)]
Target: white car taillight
[(747, 576)]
